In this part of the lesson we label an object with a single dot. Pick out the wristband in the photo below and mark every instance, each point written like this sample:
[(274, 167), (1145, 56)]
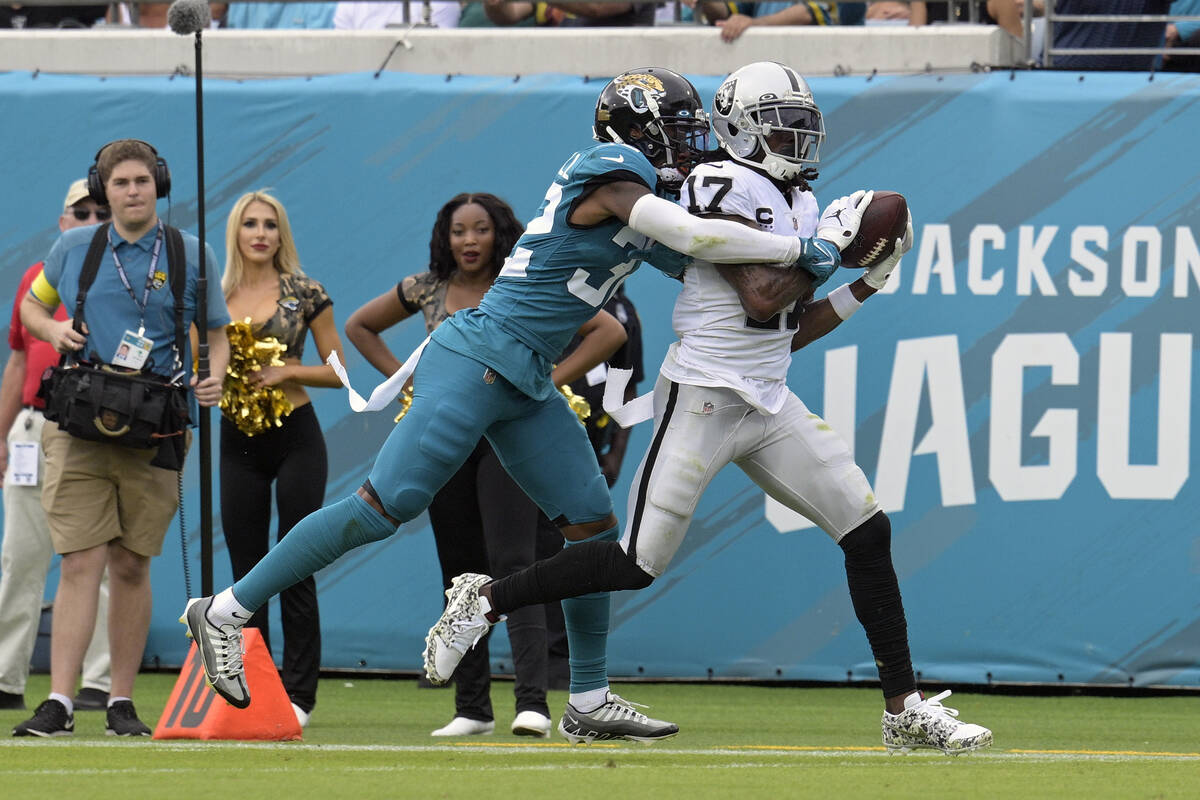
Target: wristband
[(843, 301)]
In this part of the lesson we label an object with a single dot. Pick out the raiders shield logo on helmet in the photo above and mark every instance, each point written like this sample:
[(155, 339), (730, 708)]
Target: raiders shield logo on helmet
[(723, 102)]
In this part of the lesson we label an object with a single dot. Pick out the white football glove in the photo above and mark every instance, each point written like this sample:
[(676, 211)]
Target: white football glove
[(841, 218), (877, 276)]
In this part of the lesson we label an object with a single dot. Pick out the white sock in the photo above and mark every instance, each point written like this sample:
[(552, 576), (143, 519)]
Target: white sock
[(485, 608), (910, 700), (590, 700), (66, 701), (226, 610), (112, 700)]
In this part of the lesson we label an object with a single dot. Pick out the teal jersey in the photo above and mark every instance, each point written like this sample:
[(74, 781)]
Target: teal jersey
[(558, 275)]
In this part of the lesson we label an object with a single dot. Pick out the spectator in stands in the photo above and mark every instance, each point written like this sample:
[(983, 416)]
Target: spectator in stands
[(889, 12), (24, 16), (249, 16), (27, 551), (776, 13), (1005, 13), (1183, 34), (851, 13), (1088, 35), (572, 15), (479, 15), (693, 12), (366, 16), (153, 15)]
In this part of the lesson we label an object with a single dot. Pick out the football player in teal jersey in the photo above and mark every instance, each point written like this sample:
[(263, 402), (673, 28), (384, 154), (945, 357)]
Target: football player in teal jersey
[(485, 372)]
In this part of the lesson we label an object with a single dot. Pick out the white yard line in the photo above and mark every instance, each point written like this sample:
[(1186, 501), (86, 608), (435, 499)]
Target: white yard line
[(739, 756)]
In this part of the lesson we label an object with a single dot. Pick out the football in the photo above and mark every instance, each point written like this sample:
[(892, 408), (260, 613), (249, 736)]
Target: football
[(883, 223)]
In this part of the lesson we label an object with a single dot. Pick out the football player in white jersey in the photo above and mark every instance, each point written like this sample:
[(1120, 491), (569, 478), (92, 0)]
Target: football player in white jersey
[(722, 394), (722, 397)]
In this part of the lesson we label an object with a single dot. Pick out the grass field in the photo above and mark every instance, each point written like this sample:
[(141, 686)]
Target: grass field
[(370, 738)]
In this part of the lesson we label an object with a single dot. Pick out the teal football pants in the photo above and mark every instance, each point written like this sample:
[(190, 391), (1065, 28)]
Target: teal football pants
[(456, 400)]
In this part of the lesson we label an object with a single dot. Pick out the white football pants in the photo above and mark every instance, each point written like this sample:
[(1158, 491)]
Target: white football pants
[(794, 456)]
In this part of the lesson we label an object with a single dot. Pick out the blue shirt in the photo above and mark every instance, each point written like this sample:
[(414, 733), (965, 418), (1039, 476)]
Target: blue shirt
[(1187, 8), (110, 311), (558, 276)]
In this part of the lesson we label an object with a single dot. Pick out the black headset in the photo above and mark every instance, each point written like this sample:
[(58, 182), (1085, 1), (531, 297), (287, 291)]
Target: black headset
[(95, 186)]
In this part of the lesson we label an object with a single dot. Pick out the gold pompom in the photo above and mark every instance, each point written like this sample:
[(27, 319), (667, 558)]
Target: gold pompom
[(578, 404), (405, 401), (253, 409)]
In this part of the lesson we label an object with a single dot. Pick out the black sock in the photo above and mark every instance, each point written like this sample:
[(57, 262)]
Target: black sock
[(593, 566), (875, 593)]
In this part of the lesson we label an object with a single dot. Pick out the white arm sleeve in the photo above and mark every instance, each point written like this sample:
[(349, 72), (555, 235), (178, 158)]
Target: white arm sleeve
[(717, 240)]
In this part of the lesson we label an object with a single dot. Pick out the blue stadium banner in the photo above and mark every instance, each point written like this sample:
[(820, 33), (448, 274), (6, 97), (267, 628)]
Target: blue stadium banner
[(1021, 394)]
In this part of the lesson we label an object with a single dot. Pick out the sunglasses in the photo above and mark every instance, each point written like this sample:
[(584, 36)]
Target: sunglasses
[(83, 214)]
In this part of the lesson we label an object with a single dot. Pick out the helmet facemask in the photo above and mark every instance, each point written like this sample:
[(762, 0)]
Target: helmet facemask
[(790, 137), (673, 145)]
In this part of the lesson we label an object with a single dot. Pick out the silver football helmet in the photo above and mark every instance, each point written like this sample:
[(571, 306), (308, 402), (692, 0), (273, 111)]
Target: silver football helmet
[(764, 116)]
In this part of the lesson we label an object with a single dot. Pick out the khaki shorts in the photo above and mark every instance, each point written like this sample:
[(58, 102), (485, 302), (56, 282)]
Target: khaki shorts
[(95, 492)]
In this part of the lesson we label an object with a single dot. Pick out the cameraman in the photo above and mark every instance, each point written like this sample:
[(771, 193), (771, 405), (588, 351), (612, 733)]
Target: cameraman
[(107, 504)]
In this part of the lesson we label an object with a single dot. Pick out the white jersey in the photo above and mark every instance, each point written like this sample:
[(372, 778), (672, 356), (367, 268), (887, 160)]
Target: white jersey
[(719, 345)]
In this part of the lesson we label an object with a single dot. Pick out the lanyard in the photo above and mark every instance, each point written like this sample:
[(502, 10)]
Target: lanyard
[(158, 240)]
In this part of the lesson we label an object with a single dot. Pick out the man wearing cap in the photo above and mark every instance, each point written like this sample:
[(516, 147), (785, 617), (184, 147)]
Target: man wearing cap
[(26, 551)]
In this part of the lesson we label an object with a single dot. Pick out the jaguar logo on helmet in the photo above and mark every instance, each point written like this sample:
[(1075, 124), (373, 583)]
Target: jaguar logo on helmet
[(635, 87), (723, 102)]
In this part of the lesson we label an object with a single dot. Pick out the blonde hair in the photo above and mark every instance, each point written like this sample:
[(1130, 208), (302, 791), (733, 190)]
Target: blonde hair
[(287, 260)]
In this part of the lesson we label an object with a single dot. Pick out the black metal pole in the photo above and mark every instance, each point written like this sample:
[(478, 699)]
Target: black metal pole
[(202, 370)]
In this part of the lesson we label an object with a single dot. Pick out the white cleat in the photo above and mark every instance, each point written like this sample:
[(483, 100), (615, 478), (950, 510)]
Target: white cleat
[(461, 625), (929, 724)]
